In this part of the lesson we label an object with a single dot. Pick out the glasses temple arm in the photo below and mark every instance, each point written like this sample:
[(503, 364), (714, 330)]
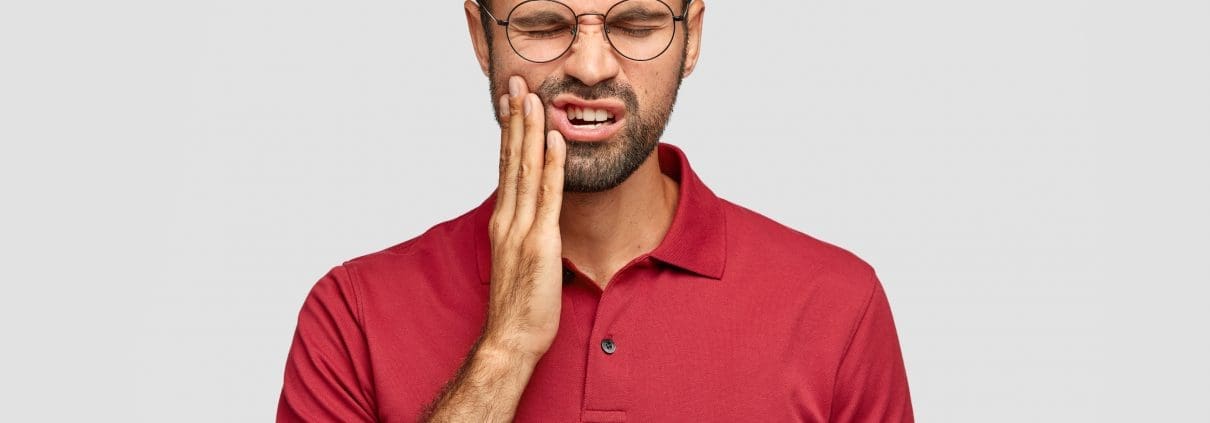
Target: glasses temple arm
[(684, 13), (490, 15)]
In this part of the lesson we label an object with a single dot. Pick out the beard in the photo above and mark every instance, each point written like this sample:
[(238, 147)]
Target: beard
[(602, 166)]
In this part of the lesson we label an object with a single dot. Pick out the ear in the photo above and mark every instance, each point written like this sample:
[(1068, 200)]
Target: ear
[(478, 37), (697, 8)]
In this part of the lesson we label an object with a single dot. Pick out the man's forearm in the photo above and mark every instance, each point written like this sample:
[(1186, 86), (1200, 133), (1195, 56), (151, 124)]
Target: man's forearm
[(486, 388)]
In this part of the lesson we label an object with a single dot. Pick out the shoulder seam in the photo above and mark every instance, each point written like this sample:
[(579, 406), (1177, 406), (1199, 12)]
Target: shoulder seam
[(355, 289), (726, 241), (354, 280), (865, 310)]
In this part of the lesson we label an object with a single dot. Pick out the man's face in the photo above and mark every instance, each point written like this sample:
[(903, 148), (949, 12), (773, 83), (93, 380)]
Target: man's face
[(592, 79)]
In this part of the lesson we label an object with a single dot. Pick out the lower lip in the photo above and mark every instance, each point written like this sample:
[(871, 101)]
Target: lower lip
[(577, 133)]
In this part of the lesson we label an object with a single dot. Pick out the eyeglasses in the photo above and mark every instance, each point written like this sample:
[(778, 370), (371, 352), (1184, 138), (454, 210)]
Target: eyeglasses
[(541, 31)]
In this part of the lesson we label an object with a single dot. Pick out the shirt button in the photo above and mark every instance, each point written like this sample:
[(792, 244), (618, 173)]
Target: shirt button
[(608, 346), (568, 275)]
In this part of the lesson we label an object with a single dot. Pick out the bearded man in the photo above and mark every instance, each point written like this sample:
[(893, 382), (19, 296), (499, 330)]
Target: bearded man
[(602, 281)]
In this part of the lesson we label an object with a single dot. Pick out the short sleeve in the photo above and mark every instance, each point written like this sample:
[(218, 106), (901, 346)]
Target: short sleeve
[(327, 377), (871, 383)]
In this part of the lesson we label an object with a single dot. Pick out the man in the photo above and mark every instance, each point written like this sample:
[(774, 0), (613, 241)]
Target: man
[(602, 281)]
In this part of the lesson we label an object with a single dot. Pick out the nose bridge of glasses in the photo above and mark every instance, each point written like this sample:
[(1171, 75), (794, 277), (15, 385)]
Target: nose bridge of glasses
[(589, 20)]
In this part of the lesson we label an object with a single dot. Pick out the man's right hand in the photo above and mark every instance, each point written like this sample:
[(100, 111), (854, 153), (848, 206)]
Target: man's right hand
[(527, 271), (526, 295)]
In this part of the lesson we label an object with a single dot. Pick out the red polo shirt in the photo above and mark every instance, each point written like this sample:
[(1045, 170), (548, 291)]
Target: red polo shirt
[(732, 318)]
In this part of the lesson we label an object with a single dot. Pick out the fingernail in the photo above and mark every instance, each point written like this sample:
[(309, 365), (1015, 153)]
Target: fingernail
[(514, 86), (529, 104), (503, 106)]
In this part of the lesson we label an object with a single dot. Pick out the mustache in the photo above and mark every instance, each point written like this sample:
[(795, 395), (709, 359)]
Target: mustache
[(612, 88)]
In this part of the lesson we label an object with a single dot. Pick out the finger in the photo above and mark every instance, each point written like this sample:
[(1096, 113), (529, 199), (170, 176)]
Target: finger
[(550, 195), (510, 142), (506, 190), (530, 173), (516, 134), (516, 95)]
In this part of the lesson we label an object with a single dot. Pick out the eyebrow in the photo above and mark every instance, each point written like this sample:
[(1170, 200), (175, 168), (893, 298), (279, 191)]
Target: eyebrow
[(640, 14), (540, 18)]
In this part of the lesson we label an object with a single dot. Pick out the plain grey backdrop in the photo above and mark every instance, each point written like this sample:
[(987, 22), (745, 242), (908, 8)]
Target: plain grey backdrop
[(1028, 177)]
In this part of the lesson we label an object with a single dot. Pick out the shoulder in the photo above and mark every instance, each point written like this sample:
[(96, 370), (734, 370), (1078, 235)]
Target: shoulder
[(445, 249), (758, 243)]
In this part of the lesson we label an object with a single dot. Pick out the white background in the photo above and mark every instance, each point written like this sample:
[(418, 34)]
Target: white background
[(1028, 177)]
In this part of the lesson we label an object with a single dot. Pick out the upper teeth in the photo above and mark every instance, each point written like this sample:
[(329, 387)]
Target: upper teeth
[(589, 115)]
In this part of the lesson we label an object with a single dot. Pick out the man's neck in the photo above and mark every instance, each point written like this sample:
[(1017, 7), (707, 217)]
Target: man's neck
[(602, 231)]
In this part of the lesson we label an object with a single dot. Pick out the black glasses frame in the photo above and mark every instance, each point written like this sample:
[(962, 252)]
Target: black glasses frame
[(575, 27)]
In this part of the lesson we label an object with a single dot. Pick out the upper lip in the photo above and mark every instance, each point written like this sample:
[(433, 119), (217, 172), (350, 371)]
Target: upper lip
[(614, 107)]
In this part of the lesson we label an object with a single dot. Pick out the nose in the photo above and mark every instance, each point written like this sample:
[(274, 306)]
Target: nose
[(591, 59)]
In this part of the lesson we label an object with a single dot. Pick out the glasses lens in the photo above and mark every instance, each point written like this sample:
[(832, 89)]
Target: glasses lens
[(640, 29), (541, 30)]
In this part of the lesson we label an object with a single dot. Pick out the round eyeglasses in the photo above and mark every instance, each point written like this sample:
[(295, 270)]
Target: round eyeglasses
[(541, 31)]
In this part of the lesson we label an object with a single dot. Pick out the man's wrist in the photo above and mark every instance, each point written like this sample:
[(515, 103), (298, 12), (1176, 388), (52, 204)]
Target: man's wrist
[(487, 387), (493, 352)]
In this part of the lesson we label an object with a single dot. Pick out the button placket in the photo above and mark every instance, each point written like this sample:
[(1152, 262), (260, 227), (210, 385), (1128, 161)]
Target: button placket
[(608, 380)]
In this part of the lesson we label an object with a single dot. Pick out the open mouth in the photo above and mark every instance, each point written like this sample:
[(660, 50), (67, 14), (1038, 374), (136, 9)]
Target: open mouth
[(584, 120)]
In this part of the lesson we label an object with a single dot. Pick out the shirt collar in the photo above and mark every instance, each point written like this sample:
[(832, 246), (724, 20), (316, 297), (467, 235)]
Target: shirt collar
[(696, 241)]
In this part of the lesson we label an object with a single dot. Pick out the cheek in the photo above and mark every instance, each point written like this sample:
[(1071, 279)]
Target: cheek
[(507, 65), (655, 85)]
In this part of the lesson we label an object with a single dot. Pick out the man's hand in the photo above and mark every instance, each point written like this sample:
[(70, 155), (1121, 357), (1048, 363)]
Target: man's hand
[(527, 272)]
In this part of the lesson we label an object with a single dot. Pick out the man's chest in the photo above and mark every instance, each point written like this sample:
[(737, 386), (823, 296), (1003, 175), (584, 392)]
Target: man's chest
[(635, 352)]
